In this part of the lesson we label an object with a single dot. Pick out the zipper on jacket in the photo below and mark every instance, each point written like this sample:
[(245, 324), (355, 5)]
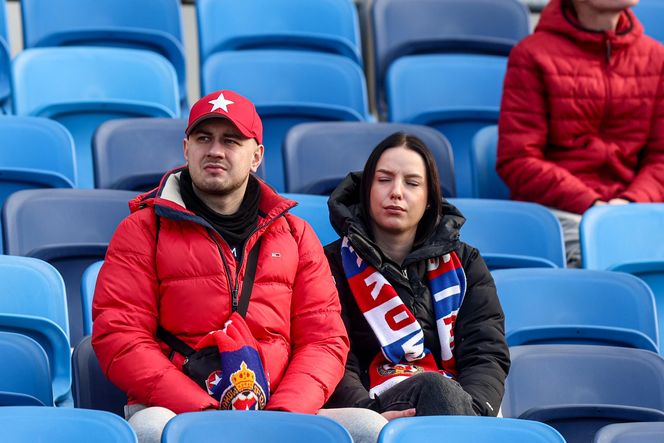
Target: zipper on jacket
[(607, 84)]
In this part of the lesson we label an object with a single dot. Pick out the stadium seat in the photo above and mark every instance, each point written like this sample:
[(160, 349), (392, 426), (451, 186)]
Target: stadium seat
[(576, 306), (155, 26), (88, 283), (81, 87), (25, 371), (651, 15), (458, 94), (408, 27), (5, 62), (29, 424), (69, 228), (317, 156), (578, 389), (33, 303), (313, 209), (253, 426), (460, 428), (90, 387), (486, 183), (630, 239), (511, 234), (322, 26), (289, 87), (631, 433), (134, 154)]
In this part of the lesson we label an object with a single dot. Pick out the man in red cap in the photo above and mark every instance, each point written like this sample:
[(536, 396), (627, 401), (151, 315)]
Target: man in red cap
[(178, 268)]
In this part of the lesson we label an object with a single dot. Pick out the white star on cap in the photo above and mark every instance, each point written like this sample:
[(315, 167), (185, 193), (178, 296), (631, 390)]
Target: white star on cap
[(220, 103)]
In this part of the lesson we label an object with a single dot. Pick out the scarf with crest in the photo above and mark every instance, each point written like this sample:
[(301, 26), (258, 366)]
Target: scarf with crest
[(400, 335)]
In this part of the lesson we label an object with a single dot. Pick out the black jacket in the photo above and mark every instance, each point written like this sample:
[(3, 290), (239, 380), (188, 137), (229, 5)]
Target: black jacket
[(480, 351)]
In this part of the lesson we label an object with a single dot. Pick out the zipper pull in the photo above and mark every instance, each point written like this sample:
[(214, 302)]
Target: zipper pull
[(607, 47), (234, 299)]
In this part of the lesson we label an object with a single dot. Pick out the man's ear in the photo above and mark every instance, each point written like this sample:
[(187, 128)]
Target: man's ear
[(185, 147), (257, 158)]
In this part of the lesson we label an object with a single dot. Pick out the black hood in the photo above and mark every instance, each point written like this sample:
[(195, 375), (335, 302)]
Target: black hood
[(348, 219)]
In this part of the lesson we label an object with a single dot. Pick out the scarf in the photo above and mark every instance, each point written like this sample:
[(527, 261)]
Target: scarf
[(403, 353)]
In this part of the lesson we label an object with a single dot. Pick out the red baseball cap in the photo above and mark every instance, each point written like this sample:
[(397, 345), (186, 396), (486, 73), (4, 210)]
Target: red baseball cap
[(232, 106)]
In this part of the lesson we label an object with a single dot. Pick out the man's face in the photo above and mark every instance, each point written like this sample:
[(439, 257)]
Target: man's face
[(220, 158), (604, 6)]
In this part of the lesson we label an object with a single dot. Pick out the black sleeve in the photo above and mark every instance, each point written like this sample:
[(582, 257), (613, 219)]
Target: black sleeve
[(350, 391), (481, 352)]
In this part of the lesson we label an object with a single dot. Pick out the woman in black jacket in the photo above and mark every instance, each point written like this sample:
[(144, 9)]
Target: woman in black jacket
[(420, 306)]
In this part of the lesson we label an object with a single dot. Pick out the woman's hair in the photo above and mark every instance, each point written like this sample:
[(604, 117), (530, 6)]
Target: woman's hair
[(434, 197)]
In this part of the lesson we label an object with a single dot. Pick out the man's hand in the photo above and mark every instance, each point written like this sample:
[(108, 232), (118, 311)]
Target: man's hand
[(618, 201), (391, 415)]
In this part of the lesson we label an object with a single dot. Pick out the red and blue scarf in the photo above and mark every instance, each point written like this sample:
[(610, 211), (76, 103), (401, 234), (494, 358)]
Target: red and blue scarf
[(400, 335)]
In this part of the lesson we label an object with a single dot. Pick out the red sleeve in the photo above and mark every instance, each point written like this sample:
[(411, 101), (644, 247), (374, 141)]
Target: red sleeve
[(318, 336), (125, 312), (648, 185), (523, 130)]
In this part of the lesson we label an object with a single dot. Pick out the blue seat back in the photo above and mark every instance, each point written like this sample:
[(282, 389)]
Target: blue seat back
[(407, 27), (289, 87), (90, 387), (263, 426), (578, 388), (25, 369), (88, 284), (81, 87), (631, 433), (313, 209), (155, 26), (459, 428), (511, 234), (5, 62), (134, 154), (458, 94), (27, 424), (322, 25), (576, 306), (69, 228), (486, 181), (317, 156), (651, 15)]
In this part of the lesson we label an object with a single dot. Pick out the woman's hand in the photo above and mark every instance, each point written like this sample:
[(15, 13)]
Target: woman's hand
[(391, 415)]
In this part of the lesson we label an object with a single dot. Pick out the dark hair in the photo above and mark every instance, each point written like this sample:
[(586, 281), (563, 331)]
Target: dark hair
[(434, 197)]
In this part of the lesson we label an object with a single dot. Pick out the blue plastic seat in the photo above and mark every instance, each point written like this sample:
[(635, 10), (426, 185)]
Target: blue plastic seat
[(578, 389), (33, 303), (29, 424), (577, 306), (88, 283), (458, 94), (317, 156), (134, 154), (461, 428), (25, 371), (253, 426), (155, 26), (313, 209), (5, 62), (628, 239), (90, 387), (289, 87), (81, 87), (511, 234), (69, 228), (631, 433), (486, 183), (323, 26), (408, 27), (651, 15)]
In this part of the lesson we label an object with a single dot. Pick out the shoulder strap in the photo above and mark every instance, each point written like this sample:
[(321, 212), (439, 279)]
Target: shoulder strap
[(175, 343), (248, 283)]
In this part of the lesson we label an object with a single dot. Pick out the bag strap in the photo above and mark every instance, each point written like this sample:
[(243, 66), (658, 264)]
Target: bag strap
[(184, 349)]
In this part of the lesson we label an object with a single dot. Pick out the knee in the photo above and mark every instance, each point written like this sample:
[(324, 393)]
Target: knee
[(149, 423), (363, 425)]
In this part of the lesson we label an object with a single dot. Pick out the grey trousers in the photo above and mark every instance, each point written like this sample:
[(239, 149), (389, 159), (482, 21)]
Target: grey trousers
[(570, 224)]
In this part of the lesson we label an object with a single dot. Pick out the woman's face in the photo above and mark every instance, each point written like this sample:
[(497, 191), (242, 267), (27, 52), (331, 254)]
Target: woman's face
[(399, 192)]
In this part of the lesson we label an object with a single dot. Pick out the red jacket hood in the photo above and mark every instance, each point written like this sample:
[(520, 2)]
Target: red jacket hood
[(559, 17)]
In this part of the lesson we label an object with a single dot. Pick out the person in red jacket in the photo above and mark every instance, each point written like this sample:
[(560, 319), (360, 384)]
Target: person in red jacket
[(582, 113), (177, 266)]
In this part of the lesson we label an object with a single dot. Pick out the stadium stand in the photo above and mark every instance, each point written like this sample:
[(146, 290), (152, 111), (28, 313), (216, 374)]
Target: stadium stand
[(576, 306), (25, 373)]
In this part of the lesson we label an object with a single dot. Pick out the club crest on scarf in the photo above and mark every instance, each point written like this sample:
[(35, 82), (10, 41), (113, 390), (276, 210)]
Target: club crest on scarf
[(399, 333)]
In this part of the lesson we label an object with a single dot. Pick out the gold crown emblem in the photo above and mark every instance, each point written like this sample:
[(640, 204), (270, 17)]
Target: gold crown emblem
[(244, 379)]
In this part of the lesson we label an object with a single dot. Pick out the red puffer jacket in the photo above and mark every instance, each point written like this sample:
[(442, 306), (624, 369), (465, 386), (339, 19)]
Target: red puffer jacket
[(182, 281), (582, 114)]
